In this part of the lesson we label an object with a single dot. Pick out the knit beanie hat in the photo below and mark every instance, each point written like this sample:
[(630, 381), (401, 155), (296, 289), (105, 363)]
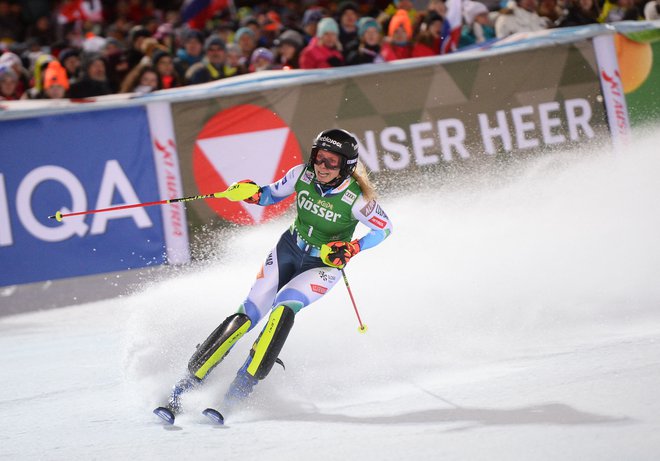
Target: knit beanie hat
[(312, 15), (242, 31), (327, 25), (7, 73), (290, 37), (11, 59), (473, 9), (55, 75), (262, 53), (399, 19), (366, 23), (214, 40)]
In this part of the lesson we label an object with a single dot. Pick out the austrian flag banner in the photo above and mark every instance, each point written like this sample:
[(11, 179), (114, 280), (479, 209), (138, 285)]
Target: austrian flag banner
[(169, 182)]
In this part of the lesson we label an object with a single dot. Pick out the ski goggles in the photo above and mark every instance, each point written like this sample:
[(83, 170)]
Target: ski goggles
[(330, 163)]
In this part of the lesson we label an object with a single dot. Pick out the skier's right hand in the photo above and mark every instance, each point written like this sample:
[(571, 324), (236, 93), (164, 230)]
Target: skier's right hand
[(254, 200)]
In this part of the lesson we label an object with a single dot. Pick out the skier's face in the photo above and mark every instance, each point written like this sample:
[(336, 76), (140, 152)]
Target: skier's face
[(326, 166)]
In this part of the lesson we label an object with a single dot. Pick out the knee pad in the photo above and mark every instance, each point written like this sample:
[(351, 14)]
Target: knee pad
[(270, 342), (217, 345)]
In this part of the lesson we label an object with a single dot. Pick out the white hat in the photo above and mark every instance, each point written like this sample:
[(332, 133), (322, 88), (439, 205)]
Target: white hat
[(473, 9)]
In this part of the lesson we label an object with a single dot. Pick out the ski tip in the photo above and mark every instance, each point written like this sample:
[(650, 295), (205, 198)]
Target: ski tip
[(165, 414), (214, 415)]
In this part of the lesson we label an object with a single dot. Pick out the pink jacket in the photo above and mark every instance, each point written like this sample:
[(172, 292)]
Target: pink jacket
[(316, 56)]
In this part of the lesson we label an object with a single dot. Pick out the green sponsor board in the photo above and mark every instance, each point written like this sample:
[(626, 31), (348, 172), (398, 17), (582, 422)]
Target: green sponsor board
[(640, 64)]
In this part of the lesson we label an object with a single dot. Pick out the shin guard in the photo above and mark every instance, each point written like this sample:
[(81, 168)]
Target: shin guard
[(270, 342), (217, 345)]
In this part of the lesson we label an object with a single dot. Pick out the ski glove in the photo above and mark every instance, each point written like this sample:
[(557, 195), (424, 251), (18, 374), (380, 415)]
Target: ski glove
[(338, 254), (254, 200)]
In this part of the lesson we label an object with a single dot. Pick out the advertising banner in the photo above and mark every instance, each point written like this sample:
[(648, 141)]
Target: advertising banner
[(612, 85), (70, 163), (408, 120), (169, 182), (638, 55)]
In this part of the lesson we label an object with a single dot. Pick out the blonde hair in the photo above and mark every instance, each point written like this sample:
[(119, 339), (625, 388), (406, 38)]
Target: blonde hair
[(362, 177)]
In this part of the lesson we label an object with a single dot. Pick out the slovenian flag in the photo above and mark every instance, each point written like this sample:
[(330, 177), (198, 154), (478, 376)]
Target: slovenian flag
[(197, 12), (455, 19)]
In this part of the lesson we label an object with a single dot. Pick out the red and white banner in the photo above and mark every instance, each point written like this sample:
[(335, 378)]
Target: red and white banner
[(455, 19), (168, 173), (612, 86)]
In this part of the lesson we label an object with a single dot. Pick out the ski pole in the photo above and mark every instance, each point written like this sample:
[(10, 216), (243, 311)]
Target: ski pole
[(236, 192), (362, 328)]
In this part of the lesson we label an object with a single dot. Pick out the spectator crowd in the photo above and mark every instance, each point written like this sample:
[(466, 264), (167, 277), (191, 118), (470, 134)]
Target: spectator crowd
[(86, 48)]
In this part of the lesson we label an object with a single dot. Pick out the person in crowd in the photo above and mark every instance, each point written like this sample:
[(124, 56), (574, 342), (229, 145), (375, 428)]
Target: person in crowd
[(8, 84), (252, 23), (36, 91), (246, 40), (70, 60), (270, 25), (94, 81), (13, 61), (348, 15), (288, 45), (56, 82), (371, 37), (652, 10), (261, 59), (166, 37), (393, 8), (191, 52), (142, 79), (550, 9), (580, 13), (310, 22), (234, 60), (215, 57), (324, 50), (619, 10), (163, 64), (519, 16), (136, 36), (399, 37), (116, 62), (429, 38), (477, 27), (304, 265)]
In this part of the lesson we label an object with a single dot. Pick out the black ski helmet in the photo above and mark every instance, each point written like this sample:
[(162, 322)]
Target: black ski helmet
[(339, 142)]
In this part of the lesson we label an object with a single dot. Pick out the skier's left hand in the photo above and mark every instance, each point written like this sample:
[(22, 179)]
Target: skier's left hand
[(338, 254)]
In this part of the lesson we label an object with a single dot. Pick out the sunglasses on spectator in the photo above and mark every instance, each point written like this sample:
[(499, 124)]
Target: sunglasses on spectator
[(330, 163)]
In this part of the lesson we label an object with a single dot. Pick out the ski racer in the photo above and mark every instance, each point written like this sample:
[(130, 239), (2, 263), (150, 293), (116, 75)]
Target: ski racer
[(332, 197)]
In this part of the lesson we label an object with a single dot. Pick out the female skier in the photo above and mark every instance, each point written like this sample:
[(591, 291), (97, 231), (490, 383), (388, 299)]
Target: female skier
[(332, 197)]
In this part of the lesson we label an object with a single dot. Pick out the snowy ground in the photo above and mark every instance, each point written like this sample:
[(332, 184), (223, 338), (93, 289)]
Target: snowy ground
[(511, 322)]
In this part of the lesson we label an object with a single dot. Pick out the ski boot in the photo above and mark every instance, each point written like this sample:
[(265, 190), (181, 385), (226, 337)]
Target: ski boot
[(173, 408), (263, 355)]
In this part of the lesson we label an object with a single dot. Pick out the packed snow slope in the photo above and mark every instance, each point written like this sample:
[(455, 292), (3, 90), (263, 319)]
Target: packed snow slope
[(514, 319)]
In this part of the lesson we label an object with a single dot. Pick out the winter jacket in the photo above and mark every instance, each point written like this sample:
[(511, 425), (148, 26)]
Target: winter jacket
[(317, 56), (514, 19), (365, 55), (392, 51)]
